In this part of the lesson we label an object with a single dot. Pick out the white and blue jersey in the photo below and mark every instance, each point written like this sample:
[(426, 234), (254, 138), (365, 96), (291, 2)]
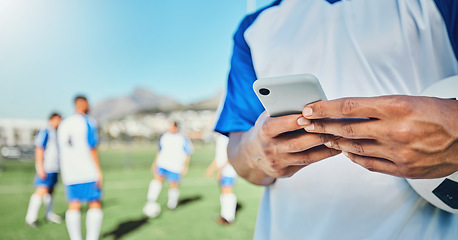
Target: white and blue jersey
[(174, 148), (46, 139), (77, 136), (356, 48)]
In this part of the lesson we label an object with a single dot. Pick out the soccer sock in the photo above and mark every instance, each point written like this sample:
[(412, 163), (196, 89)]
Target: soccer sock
[(174, 194), (94, 220), (228, 206), (47, 202), (73, 221), (154, 190), (34, 207)]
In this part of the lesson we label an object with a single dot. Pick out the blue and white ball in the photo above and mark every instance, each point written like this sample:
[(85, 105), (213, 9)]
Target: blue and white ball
[(152, 209), (441, 192)]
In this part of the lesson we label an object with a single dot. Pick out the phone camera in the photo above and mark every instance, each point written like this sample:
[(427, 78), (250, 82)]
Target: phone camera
[(264, 91)]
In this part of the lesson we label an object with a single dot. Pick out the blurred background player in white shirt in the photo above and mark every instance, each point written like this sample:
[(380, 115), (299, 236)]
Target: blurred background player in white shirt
[(81, 172), (171, 163), (226, 178), (47, 167)]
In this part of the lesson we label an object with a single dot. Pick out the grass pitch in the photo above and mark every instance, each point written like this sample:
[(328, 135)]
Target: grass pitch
[(126, 179)]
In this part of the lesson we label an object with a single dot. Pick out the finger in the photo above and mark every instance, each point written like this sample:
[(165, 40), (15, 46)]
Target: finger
[(348, 128), (299, 142), (308, 157), (274, 126), (344, 108), (362, 147), (289, 171), (374, 164)]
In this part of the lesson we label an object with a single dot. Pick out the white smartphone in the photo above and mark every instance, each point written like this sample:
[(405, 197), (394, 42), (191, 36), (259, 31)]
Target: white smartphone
[(288, 94)]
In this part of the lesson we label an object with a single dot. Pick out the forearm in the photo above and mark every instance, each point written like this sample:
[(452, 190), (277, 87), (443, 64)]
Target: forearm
[(239, 154), (39, 159), (186, 163), (95, 158)]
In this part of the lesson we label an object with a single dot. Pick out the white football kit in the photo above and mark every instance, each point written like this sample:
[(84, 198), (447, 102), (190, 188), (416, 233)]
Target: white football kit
[(174, 148), (357, 48), (47, 140), (77, 136)]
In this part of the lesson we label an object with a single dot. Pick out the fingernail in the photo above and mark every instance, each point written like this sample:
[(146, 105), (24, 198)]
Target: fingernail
[(307, 111), (302, 121), (328, 144), (310, 127)]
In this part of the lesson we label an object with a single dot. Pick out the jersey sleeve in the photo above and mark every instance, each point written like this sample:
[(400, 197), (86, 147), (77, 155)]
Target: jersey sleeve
[(237, 112), (41, 139), (188, 147), (92, 134), (449, 12), (159, 143), (241, 108)]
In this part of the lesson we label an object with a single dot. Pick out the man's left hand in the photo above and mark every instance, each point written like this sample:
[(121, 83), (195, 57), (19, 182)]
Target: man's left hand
[(404, 136)]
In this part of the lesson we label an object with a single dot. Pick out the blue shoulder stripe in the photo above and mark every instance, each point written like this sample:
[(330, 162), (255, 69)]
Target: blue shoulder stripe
[(449, 12), (237, 111), (41, 140), (92, 136)]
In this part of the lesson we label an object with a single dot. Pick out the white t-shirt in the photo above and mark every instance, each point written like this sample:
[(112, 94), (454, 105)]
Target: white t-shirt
[(355, 48), (173, 150), (221, 157), (77, 136), (46, 139)]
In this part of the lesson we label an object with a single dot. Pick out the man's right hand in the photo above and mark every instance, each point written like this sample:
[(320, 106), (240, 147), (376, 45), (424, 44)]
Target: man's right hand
[(270, 149), (41, 174)]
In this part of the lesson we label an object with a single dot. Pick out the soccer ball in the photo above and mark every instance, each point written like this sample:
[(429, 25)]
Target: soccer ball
[(152, 209), (441, 192)]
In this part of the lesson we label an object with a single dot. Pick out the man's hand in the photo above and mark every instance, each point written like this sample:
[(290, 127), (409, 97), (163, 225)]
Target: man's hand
[(41, 174), (100, 180), (271, 149), (404, 136), (184, 172)]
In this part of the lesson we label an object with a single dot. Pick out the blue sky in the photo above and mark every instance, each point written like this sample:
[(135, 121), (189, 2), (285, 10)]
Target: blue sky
[(52, 50)]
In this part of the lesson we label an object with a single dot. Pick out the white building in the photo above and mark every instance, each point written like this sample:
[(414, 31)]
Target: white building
[(19, 132)]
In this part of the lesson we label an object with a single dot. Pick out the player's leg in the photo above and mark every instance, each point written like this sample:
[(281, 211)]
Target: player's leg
[(34, 205), (75, 195), (155, 185), (228, 199), (94, 220), (73, 219), (42, 188), (174, 192), (48, 201)]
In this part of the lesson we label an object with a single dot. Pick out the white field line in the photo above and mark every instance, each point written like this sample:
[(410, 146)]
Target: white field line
[(111, 185)]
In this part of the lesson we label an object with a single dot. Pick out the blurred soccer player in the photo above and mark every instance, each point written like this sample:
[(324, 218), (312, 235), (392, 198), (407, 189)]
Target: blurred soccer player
[(226, 177), (47, 167), (171, 163), (81, 172)]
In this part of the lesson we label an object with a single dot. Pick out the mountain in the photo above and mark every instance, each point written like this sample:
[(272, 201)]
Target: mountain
[(140, 100), (143, 101)]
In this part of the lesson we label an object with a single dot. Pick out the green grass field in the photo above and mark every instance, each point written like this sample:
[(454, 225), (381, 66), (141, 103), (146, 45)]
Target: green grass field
[(126, 178)]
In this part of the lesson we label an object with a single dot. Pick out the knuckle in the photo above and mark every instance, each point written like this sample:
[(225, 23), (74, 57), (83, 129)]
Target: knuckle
[(401, 105), (359, 149), (266, 128), (274, 165), (319, 126), (305, 159), (348, 130), (324, 138), (267, 149), (403, 133), (348, 106)]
